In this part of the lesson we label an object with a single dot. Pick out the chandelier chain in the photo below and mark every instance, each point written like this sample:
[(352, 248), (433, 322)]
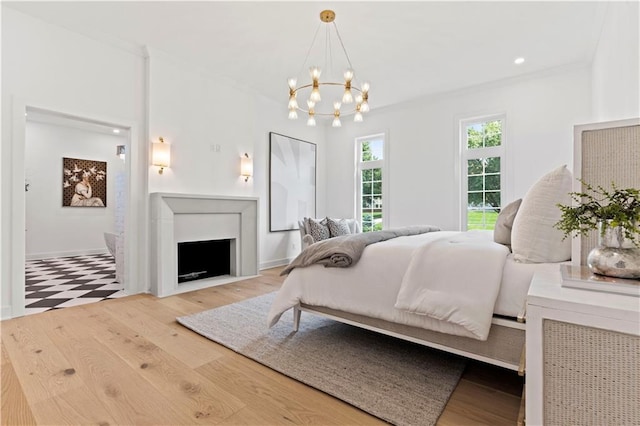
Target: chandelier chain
[(310, 48), (342, 44)]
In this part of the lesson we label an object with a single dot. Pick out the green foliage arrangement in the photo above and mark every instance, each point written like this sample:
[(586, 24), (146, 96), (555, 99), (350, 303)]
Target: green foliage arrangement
[(615, 207)]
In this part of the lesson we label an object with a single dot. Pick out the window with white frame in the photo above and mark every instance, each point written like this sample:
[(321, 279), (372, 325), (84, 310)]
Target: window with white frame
[(370, 177), (482, 171)]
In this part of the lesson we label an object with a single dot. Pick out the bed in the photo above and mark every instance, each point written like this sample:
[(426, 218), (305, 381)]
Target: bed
[(461, 292)]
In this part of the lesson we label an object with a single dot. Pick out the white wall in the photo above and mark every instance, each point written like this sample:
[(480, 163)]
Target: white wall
[(53, 230), (423, 143), (615, 68), (49, 67), (210, 122)]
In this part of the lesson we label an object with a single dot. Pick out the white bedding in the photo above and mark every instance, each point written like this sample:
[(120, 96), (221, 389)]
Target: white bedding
[(455, 279), (371, 286)]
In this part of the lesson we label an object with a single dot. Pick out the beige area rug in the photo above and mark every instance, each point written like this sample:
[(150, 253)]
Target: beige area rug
[(400, 382)]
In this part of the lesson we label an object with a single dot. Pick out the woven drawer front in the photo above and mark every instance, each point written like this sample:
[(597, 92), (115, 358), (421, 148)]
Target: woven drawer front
[(591, 376)]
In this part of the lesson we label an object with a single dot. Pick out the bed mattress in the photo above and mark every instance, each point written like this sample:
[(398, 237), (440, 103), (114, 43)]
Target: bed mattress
[(371, 286)]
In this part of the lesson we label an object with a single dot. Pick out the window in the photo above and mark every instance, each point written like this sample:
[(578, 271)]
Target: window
[(482, 171), (370, 170)]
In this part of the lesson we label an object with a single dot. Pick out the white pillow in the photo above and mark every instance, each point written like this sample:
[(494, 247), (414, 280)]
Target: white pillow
[(338, 227), (533, 237)]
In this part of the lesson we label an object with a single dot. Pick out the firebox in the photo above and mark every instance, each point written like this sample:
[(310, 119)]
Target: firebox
[(198, 260)]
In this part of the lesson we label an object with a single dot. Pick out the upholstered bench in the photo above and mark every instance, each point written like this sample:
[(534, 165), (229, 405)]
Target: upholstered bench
[(314, 230)]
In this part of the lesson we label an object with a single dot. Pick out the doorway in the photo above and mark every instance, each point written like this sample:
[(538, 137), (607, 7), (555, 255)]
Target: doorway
[(75, 182), (134, 274)]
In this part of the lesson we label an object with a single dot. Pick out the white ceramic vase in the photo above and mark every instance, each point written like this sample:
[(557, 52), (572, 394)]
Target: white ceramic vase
[(616, 255)]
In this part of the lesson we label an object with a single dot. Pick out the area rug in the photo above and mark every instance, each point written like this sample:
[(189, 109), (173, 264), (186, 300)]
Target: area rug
[(400, 382)]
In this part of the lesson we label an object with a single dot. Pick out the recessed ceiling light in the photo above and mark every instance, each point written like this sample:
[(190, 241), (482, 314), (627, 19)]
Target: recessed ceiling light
[(519, 61), (116, 131)]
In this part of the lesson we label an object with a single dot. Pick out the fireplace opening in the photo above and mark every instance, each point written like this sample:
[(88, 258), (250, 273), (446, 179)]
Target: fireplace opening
[(198, 260)]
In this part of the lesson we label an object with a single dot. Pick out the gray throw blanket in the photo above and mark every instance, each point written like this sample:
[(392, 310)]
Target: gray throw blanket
[(344, 251)]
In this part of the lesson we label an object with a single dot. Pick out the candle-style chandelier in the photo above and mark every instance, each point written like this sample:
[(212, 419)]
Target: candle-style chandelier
[(351, 100)]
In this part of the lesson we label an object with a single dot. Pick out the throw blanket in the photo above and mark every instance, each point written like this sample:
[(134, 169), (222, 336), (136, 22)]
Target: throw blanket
[(344, 251), (455, 280)]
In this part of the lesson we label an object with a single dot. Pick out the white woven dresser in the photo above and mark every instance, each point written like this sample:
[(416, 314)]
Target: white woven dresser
[(582, 355)]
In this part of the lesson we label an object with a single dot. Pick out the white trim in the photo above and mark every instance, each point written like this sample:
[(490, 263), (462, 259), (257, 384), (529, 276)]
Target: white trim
[(206, 283), (384, 165), (136, 249), (17, 220), (53, 254), (466, 154), (275, 263)]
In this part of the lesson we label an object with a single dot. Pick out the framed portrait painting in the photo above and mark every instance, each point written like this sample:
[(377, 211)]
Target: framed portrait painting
[(84, 183), (292, 181)]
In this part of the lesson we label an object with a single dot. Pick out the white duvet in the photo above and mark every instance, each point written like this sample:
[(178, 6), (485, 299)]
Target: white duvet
[(455, 279), (459, 298)]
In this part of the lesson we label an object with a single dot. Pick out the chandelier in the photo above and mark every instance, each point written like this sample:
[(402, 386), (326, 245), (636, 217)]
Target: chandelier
[(348, 98)]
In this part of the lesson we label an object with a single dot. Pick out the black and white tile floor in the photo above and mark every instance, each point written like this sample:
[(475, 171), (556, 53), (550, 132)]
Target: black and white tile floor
[(63, 282)]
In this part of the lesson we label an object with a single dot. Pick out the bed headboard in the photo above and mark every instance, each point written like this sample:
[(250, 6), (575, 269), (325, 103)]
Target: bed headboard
[(604, 153)]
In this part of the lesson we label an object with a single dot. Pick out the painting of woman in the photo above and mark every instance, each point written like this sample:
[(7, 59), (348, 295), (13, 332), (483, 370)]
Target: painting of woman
[(84, 183), (83, 194)]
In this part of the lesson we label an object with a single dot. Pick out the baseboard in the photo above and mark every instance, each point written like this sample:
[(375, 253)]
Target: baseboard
[(274, 263), (5, 313), (39, 256)]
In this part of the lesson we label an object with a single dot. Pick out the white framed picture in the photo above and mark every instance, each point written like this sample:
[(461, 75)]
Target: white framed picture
[(292, 181)]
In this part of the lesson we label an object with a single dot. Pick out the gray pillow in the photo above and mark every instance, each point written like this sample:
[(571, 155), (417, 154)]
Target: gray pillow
[(504, 223), (338, 227), (318, 229)]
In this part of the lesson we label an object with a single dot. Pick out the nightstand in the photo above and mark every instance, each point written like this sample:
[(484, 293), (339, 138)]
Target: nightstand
[(582, 355)]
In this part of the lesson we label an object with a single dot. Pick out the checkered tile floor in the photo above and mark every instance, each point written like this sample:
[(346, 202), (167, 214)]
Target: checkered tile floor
[(70, 281)]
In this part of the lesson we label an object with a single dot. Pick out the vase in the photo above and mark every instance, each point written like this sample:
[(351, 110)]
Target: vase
[(616, 255)]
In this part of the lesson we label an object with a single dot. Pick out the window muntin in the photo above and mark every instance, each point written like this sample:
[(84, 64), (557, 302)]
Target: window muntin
[(370, 189), (483, 148)]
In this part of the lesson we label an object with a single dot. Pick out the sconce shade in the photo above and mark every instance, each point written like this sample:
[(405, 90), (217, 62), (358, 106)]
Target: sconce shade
[(161, 155), (246, 167), (120, 151)]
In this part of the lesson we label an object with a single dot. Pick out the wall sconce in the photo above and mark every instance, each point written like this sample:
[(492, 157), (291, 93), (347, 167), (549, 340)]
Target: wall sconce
[(246, 167), (161, 155), (120, 151)]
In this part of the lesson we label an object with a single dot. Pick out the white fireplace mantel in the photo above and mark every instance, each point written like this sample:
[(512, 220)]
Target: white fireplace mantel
[(187, 217)]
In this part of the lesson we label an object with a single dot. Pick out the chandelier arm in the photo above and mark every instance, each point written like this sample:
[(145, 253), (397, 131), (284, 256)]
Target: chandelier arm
[(302, 87), (342, 44), (327, 114), (326, 83)]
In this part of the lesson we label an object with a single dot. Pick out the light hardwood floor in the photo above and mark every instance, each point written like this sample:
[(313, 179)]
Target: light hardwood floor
[(127, 361)]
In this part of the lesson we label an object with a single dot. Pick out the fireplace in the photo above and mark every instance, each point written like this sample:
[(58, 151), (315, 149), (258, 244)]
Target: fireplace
[(198, 260), (184, 218)]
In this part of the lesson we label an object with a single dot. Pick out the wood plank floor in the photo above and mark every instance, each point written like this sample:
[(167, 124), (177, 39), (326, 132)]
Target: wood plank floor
[(127, 361)]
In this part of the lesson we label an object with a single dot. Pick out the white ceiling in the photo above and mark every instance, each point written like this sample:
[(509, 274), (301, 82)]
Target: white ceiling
[(405, 49)]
